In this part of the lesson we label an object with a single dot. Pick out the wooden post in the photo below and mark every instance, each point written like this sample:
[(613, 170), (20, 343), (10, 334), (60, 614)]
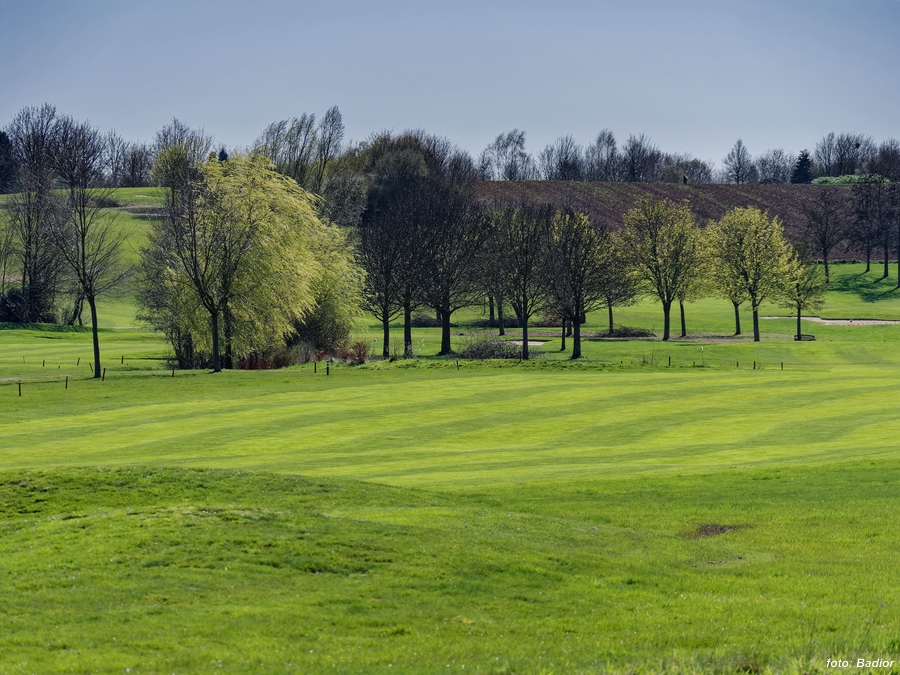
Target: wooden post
[(123, 359), (754, 365), (78, 363), (457, 364), (173, 371), (43, 363), (103, 377), (314, 367), (20, 388), (91, 365), (670, 360), (67, 381), (737, 364), (782, 365), (328, 367)]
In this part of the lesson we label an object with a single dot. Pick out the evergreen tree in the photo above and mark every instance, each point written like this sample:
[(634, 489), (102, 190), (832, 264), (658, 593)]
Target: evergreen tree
[(802, 172)]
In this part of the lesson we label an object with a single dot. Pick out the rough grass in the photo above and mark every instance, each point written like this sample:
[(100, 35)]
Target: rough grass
[(616, 514)]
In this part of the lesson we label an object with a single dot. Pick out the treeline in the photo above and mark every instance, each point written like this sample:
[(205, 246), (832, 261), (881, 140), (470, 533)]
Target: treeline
[(268, 254), (426, 242)]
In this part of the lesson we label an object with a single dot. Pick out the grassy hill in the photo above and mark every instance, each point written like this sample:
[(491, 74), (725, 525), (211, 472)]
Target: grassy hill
[(619, 514)]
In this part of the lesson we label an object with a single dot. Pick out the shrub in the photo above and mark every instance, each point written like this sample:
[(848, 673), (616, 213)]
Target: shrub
[(480, 347), (357, 354), (628, 332)]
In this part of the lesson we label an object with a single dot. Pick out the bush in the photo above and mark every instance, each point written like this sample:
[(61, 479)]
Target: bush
[(424, 321), (628, 332), (480, 347), (357, 354)]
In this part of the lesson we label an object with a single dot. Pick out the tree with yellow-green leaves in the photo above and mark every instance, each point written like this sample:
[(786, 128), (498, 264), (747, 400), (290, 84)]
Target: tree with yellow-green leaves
[(240, 259), (751, 257), (802, 287), (665, 249)]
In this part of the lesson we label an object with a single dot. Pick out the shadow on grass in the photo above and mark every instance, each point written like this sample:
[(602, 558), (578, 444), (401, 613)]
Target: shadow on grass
[(867, 286)]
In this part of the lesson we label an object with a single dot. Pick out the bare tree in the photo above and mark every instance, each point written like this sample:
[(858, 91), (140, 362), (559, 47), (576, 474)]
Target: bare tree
[(825, 156), (387, 238), (738, 165), (505, 159), (574, 271), (886, 162), (291, 146), (452, 242), (601, 158), (329, 137), (562, 160), (683, 168), (177, 151), (522, 236), (774, 166), (844, 154), (826, 222), (88, 239), (640, 160), (32, 211)]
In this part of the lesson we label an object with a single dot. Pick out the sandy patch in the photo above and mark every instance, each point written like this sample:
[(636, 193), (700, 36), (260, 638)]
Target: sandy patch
[(837, 322)]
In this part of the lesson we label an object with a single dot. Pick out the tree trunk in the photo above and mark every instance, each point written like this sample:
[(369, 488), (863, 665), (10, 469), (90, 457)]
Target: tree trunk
[(898, 255), (886, 251), (92, 303), (562, 337), (798, 324), (755, 324), (386, 337), (737, 317), (445, 333), (490, 309), (611, 329), (825, 259), (500, 318), (217, 365), (524, 338), (683, 325), (576, 338), (228, 361), (868, 258), (407, 331), (667, 306)]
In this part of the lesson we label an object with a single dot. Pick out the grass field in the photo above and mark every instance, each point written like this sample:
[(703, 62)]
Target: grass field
[(612, 515)]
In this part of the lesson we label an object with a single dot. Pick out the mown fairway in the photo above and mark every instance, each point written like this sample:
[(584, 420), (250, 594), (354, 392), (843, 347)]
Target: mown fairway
[(614, 515)]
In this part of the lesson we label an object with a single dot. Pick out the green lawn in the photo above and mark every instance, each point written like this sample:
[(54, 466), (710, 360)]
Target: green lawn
[(612, 515)]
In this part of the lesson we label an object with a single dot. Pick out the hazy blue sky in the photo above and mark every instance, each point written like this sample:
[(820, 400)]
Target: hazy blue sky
[(694, 76)]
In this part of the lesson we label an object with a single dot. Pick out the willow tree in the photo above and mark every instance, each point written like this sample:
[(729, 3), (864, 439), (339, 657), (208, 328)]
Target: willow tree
[(663, 245), (241, 246), (751, 254)]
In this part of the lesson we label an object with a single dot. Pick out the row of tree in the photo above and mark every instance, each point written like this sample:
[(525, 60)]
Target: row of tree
[(303, 147), (425, 241)]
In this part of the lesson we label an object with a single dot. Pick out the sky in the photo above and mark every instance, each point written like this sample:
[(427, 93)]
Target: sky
[(692, 76)]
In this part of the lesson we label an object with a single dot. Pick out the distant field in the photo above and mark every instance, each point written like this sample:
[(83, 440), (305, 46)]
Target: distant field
[(612, 515)]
